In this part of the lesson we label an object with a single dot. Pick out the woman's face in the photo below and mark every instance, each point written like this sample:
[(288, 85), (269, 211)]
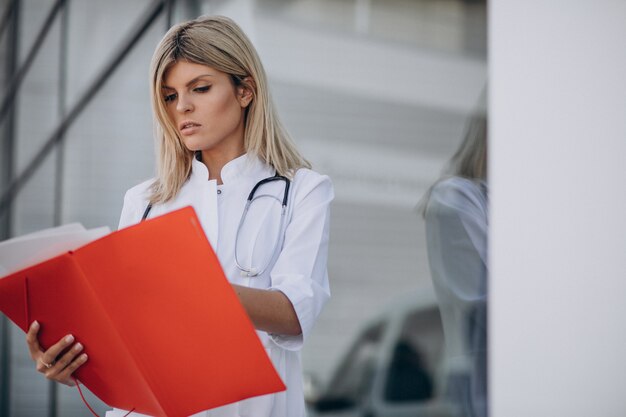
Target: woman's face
[(206, 108)]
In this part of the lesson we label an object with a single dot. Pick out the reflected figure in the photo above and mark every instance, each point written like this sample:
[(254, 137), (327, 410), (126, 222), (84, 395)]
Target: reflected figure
[(408, 380), (456, 214)]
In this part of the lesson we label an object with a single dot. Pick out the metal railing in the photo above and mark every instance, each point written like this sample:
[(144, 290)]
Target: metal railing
[(88, 95), (10, 18)]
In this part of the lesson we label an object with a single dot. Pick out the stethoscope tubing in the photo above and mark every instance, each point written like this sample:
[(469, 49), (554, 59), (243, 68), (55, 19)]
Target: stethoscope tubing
[(253, 272)]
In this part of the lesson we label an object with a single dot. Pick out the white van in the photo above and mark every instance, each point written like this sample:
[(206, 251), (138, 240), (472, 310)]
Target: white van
[(394, 368)]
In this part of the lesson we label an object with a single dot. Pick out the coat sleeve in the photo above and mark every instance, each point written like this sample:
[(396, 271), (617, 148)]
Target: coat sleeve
[(456, 228), (135, 202), (300, 271)]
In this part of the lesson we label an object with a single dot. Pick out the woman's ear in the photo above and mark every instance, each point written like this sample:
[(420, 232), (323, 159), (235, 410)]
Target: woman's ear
[(246, 91)]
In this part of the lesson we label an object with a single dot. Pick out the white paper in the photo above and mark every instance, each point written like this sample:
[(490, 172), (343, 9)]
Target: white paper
[(71, 227), (28, 250)]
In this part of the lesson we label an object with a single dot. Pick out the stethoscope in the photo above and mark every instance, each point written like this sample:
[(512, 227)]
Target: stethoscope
[(253, 271)]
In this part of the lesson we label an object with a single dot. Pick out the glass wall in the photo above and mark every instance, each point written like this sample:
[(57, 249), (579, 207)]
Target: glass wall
[(375, 93)]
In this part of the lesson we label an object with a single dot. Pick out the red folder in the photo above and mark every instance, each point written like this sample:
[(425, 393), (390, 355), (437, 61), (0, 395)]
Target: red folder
[(163, 328)]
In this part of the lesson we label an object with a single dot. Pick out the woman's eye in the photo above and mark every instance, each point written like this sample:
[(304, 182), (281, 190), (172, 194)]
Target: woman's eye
[(202, 89), (169, 97)]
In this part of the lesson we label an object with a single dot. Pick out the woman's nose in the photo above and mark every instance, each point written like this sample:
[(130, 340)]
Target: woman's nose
[(184, 105)]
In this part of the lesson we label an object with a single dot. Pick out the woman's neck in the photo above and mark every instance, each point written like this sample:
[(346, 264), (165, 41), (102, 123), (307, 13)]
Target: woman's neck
[(215, 161)]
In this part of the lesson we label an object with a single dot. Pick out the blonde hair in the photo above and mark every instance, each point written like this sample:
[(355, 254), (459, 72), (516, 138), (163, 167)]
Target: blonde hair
[(217, 42), (470, 159)]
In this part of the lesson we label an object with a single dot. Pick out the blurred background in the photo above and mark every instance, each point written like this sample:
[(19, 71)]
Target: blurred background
[(376, 93)]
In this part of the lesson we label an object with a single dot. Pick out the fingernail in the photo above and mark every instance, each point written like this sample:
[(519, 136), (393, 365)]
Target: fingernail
[(84, 356), (78, 346), (34, 325), (69, 338)]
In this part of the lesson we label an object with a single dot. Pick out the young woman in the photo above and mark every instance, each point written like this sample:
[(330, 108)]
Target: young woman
[(219, 138), (456, 212)]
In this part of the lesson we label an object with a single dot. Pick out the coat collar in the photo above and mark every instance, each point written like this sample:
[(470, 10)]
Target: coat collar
[(244, 166)]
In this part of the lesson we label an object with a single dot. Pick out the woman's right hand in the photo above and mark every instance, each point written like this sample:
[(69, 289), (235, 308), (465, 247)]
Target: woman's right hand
[(51, 363)]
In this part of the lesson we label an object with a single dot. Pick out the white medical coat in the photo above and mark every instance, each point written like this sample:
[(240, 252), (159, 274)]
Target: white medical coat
[(299, 271), (457, 218)]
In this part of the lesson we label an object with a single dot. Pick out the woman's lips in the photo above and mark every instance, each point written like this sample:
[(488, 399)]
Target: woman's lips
[(189, 128)]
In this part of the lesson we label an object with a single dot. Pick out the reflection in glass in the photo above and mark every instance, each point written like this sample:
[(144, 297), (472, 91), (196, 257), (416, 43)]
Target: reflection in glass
[(353, 380), (393, 368), (414, 360), (456, 213)]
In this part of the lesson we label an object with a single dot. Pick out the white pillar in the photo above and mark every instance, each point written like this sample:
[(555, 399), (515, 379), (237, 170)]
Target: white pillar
[(558, 194)]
